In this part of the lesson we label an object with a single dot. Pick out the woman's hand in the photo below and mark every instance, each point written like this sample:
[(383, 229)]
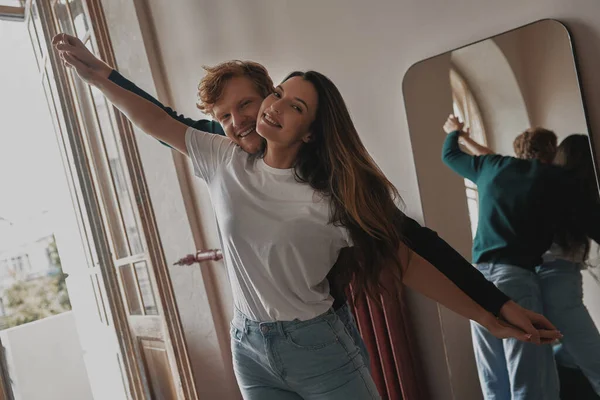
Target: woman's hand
[(75, 55), (522, 324), (144, 114)]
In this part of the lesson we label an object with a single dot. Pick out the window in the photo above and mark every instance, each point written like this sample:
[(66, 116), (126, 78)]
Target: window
[(465, 108)]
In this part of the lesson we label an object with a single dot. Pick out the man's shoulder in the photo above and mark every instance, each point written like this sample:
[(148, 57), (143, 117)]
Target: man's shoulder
[(496, 160), (201, 142), (208, 125)]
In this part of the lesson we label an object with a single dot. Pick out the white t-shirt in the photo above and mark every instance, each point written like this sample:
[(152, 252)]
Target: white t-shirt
[(556, 252), (277, 241)]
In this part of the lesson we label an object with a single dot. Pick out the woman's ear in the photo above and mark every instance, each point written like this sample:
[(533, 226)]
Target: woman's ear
[(309, 137)]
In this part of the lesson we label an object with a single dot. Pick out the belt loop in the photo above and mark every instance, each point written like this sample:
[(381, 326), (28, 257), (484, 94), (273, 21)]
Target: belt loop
[(246, 326)]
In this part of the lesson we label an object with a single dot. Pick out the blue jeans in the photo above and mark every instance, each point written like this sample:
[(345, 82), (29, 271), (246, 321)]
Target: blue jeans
[(509, 369), (562, 291), (315, 359)]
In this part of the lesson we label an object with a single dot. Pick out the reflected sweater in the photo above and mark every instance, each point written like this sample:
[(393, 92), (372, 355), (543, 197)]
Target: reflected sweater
[(522, 204)]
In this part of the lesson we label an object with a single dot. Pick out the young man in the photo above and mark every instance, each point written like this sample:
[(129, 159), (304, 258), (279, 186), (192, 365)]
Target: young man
[(521, 203), (232, 93)]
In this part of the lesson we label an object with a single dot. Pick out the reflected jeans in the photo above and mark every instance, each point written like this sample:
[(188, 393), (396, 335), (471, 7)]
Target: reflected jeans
[(315, 359), (562, 291), (509, 369)]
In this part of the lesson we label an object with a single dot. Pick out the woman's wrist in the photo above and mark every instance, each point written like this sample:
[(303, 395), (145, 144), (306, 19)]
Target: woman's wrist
[(486, 319), (104, 70), (99, 81)]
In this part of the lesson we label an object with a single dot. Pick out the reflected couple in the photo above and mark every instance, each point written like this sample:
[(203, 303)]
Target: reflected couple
[(523, 200), (543, 198)]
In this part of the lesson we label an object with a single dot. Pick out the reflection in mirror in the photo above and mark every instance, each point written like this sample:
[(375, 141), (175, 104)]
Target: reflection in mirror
[(507, 204)]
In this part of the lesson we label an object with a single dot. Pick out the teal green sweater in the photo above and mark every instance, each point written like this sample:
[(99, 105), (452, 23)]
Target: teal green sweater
[(521, 205)]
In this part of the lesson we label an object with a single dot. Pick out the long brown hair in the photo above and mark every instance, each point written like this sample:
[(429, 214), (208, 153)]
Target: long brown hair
[(575, 155), (336, 163)]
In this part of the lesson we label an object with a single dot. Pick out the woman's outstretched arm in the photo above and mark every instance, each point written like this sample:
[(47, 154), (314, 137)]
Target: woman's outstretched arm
[(523, 324), (147, 116)]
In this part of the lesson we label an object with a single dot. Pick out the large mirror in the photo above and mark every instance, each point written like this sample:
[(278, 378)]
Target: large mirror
[(522, 80)]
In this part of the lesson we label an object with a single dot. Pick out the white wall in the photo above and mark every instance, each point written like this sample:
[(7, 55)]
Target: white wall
[(365, 48), (45, 360)]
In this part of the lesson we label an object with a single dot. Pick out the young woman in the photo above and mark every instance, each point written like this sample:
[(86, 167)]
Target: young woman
[(284, 216), (560, 275)]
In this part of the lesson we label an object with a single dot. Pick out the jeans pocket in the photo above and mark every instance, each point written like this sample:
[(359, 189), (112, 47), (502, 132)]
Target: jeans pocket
[(235, 333), (315, 336)]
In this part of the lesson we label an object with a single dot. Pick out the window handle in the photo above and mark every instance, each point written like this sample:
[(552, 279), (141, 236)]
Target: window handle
[(201, 256)]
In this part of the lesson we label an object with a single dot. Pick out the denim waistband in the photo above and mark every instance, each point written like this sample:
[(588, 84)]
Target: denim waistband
[(242, 322)]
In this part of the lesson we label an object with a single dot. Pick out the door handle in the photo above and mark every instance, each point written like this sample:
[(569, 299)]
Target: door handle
[(201, 256)]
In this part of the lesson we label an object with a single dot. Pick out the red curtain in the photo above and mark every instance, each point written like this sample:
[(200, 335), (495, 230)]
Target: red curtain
[(386, 331)]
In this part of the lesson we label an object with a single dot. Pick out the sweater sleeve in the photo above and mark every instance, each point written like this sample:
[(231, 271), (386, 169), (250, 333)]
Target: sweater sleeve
[(204, 125), (464, 164), (449, 262)]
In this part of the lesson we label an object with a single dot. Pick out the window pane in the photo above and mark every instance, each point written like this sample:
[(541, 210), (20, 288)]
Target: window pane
[(129, 286), (111, 143), (58, 118), (60, 127), (79, 18), (473, 214), (88, 124), (50, 102), (100, 307), (62, 15), (148, 299), (470, 184), (90, 45), (53, 100), (104, 306), (34, 43), (37, 23), (457, 111)]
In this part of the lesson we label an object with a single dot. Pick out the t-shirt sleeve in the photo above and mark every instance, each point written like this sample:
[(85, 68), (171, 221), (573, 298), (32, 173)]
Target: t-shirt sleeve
[(207, 152)]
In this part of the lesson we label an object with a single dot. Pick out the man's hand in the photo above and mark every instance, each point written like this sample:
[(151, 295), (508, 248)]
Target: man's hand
[(453, 124), (533, 327), (75, 55)]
